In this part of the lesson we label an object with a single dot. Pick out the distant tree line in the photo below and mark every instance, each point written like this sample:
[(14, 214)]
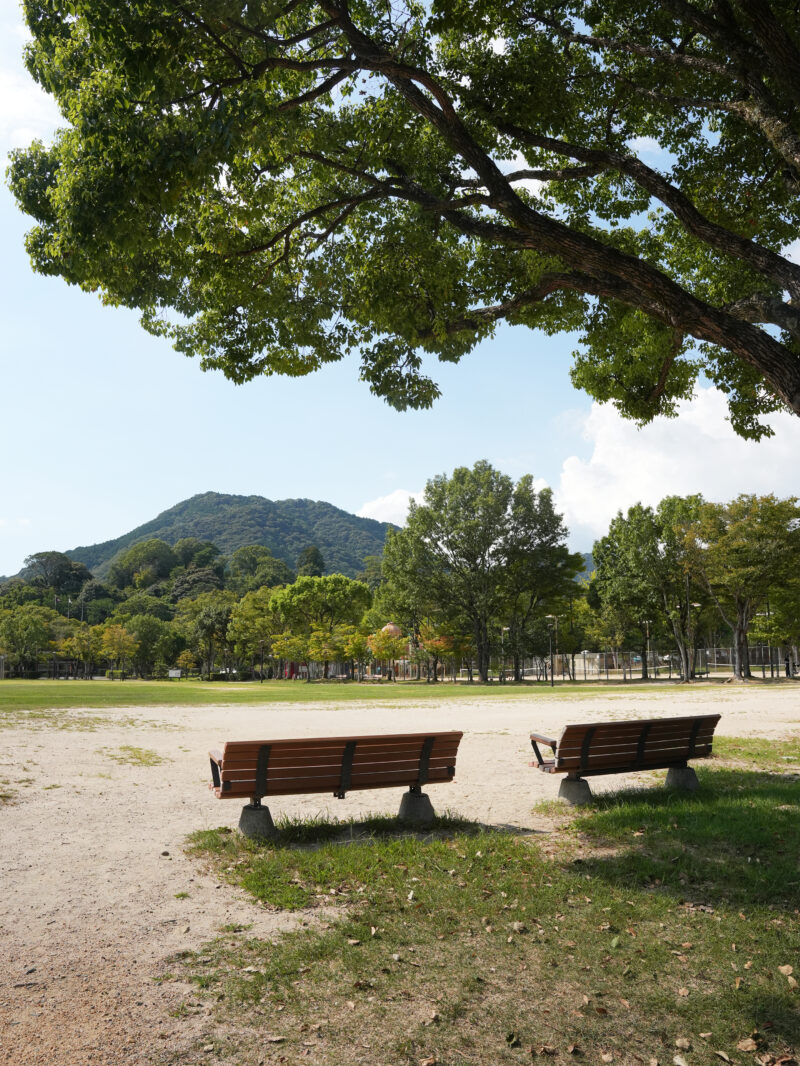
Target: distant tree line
[(479, 579)]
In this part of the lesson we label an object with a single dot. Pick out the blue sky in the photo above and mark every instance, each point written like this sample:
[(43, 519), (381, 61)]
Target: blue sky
[(102, 426)]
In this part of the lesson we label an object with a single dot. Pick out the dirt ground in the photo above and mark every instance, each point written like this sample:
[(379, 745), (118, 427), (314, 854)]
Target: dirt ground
[(97, 895)]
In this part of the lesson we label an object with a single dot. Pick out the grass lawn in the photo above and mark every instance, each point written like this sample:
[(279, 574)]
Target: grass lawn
[(48, 695), (651, 927)]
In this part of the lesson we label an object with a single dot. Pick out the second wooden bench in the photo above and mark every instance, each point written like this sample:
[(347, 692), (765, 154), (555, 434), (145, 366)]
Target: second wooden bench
[(261, 768), (622, 747)]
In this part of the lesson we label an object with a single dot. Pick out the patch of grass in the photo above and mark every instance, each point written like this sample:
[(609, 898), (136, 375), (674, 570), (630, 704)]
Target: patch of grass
[(181, 895), (59, 718), (127, 755), (659, 918), (776, 755)]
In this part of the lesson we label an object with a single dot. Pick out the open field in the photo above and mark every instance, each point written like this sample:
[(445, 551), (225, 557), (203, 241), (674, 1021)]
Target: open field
[(44, 695), (123, 947)]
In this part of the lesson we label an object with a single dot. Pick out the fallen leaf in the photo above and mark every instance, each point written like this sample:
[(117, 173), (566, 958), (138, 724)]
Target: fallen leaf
[(430, 1061), (722, 1055), (683, 992), (600, 1010), (573, 1049), (748, 1044), (625, 1004), (705, 1036), (679, 1060), (351, 1005), (275, 1039), (683, 1043), (737, 983), (792, 982), (786, 970), (352, 942), (748, 964), (547, 1049), (607, 1056)]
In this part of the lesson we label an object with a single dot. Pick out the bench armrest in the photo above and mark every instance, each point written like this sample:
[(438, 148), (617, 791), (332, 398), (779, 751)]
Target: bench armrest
[(216, 766), (542, 740)]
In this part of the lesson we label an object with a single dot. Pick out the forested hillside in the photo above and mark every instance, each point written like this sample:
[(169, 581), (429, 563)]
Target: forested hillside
[(286, 527)]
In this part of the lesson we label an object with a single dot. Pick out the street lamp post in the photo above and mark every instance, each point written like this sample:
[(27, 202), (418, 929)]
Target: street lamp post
[(503, 632), (550, 619)]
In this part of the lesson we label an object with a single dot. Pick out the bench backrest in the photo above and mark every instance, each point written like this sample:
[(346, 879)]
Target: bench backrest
[(612, 747), (259, 768)]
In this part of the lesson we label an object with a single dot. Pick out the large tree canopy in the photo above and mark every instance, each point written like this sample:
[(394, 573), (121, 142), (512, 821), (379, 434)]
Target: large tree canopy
[(277, 184)]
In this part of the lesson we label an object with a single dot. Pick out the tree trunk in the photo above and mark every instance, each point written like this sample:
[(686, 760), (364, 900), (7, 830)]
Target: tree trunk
[(741, 649)]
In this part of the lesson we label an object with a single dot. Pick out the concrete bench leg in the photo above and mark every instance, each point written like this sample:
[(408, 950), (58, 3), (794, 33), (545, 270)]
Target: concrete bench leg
[(575, 791), (416, 807), (256, 822), (682, 777)]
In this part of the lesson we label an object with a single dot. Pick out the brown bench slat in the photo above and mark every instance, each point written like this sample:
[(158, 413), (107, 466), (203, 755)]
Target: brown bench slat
[(630, 761), (300, 784), (305, 791), (608, 732), (278, 758), (382, 743), (651, 744), (637, 723)]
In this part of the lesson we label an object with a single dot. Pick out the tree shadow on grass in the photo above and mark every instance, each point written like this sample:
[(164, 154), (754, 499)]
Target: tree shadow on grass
[(734, 842), (725, 859)]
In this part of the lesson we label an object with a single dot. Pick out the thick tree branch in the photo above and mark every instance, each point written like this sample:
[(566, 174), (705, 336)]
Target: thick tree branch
[(764, 260), (760, 307)]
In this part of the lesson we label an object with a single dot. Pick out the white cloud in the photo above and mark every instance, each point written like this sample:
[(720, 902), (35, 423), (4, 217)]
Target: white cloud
[(391, 508), (645, 146), (696, 452), (26, 111)]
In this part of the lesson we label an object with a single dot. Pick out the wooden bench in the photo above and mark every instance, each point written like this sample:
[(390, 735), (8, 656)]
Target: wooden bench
[(256, 769), (623, 747)]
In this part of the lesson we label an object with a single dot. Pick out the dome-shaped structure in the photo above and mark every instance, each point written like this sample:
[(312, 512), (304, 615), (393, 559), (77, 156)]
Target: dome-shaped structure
[(392, 630)]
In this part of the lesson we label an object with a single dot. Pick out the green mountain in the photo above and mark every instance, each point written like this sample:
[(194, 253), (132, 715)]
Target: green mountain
[(283, 526)]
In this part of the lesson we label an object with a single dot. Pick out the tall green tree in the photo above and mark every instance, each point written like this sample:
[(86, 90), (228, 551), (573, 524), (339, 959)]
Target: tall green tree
[(310, 562), (27, 633), (299, 181), (647, 572), (204, 621), (477, 545), (747, 548), (540, 569), (142, 564), (254, 566), (56, 571), (253, 624), (321, 604)]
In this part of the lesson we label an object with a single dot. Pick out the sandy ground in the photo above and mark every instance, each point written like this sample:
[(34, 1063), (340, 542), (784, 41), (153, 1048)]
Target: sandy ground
[(93, 864)]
